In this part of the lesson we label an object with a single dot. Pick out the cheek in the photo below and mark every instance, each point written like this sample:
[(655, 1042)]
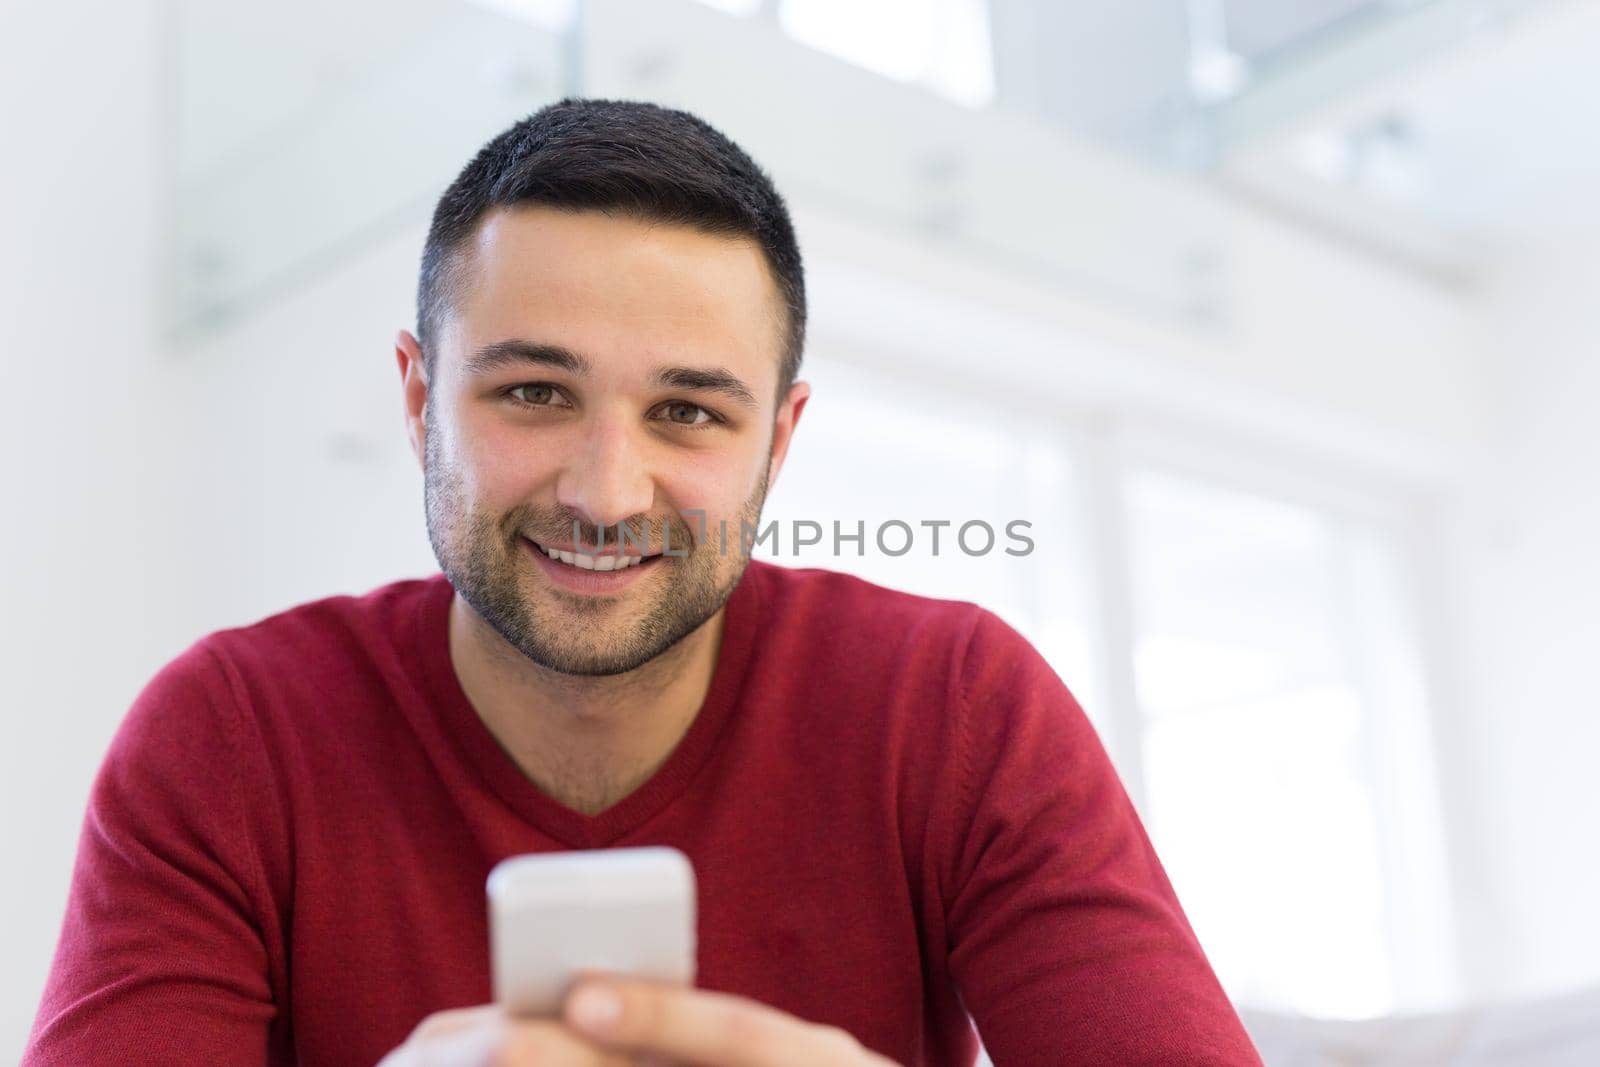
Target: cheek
[(502, 465), (716, 483)]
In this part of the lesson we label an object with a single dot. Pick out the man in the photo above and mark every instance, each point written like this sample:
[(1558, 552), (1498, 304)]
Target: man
[(897, 813)]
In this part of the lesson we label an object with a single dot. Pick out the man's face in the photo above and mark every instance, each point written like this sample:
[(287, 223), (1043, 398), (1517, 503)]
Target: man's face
[(636, 380)]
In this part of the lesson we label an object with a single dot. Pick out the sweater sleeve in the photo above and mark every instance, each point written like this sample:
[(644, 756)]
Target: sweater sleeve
[(1066, 941), (161, 959)]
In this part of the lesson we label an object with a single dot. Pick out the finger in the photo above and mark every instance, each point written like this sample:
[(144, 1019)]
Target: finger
[(707, 1028), (485, 1036), (546, 1043), (488, 1038)]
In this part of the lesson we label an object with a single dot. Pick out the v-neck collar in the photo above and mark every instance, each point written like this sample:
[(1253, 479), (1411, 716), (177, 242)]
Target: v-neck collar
[(477, 746)]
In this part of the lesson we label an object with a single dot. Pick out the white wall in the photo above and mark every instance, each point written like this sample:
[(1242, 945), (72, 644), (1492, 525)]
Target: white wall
[(1536, 616), (87, 579)]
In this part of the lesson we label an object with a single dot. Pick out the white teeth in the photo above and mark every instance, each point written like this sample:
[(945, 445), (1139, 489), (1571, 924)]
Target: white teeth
[(590, 562)]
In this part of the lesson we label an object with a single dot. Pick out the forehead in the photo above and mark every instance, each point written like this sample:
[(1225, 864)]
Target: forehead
[(617, 288)]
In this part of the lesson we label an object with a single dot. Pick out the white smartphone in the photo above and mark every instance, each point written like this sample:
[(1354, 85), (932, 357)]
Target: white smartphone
[(556, 915)]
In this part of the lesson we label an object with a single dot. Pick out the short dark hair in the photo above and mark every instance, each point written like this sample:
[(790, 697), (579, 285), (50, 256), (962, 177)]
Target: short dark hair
[(619, 156)]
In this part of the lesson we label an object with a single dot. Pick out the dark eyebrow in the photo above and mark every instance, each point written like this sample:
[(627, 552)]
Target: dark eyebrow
[(708, 379), (517, 353)]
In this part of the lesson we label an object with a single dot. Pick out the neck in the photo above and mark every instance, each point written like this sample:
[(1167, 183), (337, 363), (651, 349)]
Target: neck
[(586, 742)]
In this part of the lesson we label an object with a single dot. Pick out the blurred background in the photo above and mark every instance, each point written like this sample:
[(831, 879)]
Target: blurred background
[(1275, 318)]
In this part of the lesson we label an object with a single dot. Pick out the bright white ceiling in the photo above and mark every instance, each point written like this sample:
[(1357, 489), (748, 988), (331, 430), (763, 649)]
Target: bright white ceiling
[(1504, 130), (1476, 149)]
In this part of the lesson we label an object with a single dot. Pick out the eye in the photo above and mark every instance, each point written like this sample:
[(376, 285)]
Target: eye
[(537, 395), (683, 413)]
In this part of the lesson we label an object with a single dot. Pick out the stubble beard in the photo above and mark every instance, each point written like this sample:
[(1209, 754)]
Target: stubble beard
[(487, 563)]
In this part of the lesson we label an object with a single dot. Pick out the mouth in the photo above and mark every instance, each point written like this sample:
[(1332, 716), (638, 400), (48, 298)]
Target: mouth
[(609, 570)]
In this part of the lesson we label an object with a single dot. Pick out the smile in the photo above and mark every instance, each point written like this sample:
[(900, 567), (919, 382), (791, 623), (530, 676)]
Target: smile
[(608, 561), (608, 572)]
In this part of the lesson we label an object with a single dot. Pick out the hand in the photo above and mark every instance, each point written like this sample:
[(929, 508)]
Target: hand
[(487, 1037), (640, 1023), (660, 1023)]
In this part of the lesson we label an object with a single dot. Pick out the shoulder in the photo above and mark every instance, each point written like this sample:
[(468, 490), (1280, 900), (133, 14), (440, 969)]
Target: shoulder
[(204, 702), (980, 668), (318, 666), (815, 598), (833, 613), (330, 631)]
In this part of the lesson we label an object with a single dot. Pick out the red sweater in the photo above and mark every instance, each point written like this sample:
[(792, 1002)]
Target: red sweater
[(887, 800)]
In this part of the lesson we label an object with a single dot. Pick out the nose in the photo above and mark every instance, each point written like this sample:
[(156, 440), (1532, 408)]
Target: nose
[(604, 479)]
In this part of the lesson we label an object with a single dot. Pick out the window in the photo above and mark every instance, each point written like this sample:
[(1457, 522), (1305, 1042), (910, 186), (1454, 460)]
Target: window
[(942, 45), (1267, 642)]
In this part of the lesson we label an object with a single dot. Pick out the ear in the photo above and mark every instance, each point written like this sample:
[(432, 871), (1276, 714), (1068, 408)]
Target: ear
[(789, 410), (414, 391)]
